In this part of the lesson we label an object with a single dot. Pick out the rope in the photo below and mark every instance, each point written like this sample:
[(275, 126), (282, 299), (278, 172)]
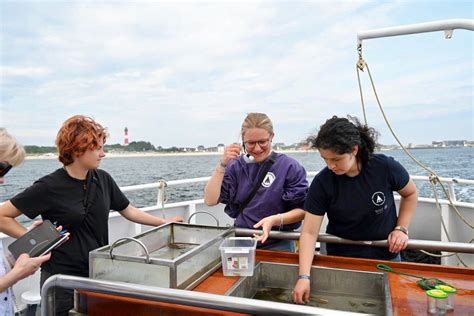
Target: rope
[(162, 195), (438, 205), (434, 178), (360, 66)]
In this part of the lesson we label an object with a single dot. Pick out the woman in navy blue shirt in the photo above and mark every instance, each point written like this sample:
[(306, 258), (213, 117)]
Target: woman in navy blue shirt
[(355, 190)]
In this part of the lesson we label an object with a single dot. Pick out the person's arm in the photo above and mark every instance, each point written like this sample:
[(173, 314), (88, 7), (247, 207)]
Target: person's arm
[(23, 267), (8, 224), (397, 239), (308, 237), (212, 190), (293, 216), (135, 215)]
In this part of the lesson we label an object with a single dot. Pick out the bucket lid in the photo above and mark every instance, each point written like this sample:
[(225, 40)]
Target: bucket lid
[(445, 288), (436, 293)]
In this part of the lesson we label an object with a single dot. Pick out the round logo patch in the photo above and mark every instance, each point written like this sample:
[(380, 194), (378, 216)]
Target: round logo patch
[(268, 180), (378, 198)]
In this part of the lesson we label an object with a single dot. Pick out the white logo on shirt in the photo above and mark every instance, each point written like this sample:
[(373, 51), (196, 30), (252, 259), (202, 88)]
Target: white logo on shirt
[(268, 180), (378, 198)]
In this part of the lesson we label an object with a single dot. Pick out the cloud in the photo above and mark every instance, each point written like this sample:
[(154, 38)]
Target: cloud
[(185, 73), (24, 71)]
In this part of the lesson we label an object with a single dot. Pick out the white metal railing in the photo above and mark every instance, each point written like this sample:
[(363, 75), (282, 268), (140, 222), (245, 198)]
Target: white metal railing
[(450, 182)]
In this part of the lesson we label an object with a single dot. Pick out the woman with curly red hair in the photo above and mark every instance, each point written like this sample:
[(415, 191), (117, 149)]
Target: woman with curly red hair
[(77, 196)]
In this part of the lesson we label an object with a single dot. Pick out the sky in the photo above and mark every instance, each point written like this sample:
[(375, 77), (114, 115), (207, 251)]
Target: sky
[(186, 73)]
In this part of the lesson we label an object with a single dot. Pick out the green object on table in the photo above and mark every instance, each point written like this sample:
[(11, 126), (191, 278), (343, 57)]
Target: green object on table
[(436, 293), (424, 283), (446, 288)]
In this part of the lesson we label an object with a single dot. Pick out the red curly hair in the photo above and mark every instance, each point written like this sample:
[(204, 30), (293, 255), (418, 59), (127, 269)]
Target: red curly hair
[(78, 134)]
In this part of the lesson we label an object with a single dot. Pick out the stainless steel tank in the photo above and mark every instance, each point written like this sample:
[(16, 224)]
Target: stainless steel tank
[(331, 288), (175, 255)]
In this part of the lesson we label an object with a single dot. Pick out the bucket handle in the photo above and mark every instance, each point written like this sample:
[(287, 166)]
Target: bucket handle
[(147, 259), (204, 212)]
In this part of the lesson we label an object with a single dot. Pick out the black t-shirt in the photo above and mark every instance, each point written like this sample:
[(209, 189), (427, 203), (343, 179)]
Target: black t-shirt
[(360, 207), (80, 206)]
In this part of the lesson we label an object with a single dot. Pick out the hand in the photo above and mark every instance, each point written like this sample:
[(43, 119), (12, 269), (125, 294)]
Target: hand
[(397, 241), (65, 233), (266, 223), (39, 222), (174, 219), (301, 291), (231, 152), (25, 265), (35, 224)]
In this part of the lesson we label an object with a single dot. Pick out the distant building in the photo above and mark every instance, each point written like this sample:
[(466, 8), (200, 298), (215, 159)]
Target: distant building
[(278, 146), (450, 143), (201, 148), (455, 143), (220, 148), (301, 146), (422, 146)]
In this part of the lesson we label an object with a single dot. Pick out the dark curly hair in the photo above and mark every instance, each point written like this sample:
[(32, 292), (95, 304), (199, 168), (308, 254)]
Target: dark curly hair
[(340, 135)]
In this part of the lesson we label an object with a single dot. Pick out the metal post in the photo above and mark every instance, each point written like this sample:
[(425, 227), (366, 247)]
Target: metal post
[(452, 193)]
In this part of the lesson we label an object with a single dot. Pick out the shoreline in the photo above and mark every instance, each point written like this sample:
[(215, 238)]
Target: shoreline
[(205, 153), (156, 154)]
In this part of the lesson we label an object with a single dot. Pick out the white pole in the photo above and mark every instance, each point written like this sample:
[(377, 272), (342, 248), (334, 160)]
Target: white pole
[(444, 25)]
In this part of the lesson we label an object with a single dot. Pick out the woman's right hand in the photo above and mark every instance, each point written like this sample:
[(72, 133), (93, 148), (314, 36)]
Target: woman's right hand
[(266, 224), (301, 291), (231, 151), (25, 265)]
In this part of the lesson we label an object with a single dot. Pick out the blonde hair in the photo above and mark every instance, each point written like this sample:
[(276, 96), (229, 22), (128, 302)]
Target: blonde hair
[(257, 120), (10, 151)]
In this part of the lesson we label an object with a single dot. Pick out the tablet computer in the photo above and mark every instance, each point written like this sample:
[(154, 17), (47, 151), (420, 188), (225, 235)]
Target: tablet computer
[(38, 241)]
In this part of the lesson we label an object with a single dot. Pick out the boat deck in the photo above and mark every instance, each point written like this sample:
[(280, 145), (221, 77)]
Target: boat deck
[(407, 297)]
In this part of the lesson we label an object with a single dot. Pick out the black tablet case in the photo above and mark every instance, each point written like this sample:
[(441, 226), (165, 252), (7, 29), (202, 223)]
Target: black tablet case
[(36, 241)]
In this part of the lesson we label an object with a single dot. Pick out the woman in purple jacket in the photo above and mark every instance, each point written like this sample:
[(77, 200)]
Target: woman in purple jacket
[(280, 198)]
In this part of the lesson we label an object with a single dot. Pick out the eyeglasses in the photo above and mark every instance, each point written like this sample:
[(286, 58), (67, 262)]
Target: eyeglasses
[(262, 143), (4, 168)]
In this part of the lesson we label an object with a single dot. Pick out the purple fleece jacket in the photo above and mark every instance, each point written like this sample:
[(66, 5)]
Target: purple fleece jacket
[(283, 189)]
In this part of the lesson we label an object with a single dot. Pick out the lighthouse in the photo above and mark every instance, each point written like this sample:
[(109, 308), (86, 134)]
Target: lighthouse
[(125, 137)]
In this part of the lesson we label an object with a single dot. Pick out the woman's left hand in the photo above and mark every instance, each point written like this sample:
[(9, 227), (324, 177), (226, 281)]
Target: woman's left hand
[(266, 223), (397, 241), (35, 224), (39, 222), (174, 219)]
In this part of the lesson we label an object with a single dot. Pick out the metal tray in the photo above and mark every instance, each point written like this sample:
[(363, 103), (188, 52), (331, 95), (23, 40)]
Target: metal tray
[(174, 255), (336, 289)]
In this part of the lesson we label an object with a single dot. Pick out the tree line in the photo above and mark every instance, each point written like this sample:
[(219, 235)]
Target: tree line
[(132, 147)]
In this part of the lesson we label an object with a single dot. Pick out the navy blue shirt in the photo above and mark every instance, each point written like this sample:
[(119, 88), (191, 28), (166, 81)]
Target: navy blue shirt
[(360, 207)]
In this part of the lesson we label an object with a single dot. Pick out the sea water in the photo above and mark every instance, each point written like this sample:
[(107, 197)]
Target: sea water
[(447, 162)]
